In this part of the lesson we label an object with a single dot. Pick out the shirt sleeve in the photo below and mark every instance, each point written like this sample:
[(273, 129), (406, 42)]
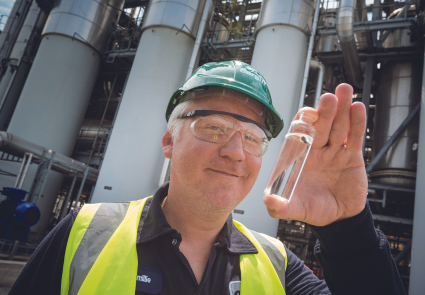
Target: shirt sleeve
[(300, 280), (356, 258), (43, 272)]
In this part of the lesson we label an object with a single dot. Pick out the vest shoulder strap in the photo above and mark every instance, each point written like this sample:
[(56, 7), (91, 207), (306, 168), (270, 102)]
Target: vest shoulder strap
[(264, 272), (99, 231)]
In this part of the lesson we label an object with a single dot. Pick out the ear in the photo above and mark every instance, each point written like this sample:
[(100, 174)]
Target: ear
[(167, 145)]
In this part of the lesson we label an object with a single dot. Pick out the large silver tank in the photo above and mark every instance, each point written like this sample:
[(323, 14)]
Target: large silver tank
[(399, 91), (134, 158), (54, 99)]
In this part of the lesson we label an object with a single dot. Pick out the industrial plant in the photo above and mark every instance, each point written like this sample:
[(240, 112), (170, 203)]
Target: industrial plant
[(84, 86)]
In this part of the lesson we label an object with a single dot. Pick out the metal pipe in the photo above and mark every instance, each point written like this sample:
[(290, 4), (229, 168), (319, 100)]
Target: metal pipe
[(392, 219), (400, 256), (20, 170), (366, 93), (345, 29), (393, 138), (25, 163), (24, 174), (391, 187), (296, 239), (68, 196), (17, 146), (199, 38), (417, 282), (81, 186), (317, 65), (309, 52), (101, 121)]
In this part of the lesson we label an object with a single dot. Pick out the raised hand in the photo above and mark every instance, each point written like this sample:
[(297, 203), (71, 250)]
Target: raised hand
[(333, 183)]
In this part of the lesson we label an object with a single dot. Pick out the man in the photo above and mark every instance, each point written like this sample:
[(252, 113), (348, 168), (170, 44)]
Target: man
[(183, 240)]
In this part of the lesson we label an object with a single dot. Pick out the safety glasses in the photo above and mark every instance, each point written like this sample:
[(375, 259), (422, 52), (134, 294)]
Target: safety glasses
[(220, 127)]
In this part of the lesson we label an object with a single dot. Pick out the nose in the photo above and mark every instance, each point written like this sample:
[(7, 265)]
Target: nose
[(234, 148)]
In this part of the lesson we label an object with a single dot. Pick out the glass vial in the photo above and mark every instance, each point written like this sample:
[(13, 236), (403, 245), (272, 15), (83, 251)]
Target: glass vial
[(293, 153)]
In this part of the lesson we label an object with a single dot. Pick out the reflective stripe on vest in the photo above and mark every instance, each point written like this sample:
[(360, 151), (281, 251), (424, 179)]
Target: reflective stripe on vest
[(101, 254)]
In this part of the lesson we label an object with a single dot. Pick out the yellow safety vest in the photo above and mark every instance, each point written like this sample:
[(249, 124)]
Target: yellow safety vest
[(101, 255)]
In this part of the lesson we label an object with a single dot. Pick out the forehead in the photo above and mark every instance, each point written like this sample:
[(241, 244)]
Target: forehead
[(222, 97), (225, 104)]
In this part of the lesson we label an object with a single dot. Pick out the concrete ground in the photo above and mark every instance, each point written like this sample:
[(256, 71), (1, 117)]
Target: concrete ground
[(4, 291)]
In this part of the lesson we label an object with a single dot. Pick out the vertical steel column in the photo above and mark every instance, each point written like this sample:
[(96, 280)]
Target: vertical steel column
[(26, 161), (81, 186), (366, 92), (417, 282), (68, 196), (309, 52), (43, 177)]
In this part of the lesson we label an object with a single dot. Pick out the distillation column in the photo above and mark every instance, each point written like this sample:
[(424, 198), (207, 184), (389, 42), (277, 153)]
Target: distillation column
[(12, 27), (55, 96), (134, 159), (279, 55), (19, 65)]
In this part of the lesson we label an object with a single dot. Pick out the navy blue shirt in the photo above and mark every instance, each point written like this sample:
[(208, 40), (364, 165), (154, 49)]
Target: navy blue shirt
[(355, 257)]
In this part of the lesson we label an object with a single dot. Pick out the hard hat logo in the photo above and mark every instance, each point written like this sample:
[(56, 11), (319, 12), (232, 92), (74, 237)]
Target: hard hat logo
[(234, 75), (255, 76)]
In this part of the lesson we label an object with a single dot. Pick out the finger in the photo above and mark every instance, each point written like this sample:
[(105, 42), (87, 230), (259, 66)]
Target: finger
[(326, 108), (277, 207), (341, 122), (357, 127), (310, 112)]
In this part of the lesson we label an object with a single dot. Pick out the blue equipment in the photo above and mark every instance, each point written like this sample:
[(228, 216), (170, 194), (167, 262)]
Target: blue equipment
[(16, 216)]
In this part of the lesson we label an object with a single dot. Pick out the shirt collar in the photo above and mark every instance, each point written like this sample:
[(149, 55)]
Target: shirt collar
[(153, 224)]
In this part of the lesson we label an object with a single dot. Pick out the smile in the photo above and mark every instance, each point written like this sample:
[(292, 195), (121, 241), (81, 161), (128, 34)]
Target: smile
[(224, 173)]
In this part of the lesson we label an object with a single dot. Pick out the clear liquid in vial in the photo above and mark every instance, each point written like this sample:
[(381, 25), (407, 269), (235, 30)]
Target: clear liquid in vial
[(288, 166)]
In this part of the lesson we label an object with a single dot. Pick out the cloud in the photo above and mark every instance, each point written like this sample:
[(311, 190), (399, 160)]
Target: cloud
[(5, 8)]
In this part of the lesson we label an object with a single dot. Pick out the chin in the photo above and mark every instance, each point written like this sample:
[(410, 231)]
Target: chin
[(222, 200)]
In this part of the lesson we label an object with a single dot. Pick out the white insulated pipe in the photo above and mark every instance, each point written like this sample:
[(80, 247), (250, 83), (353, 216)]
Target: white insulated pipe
[(54, 99), (309, 52), (280, 56), (159, 68), (206, 13), (345, 28), (318, 66)]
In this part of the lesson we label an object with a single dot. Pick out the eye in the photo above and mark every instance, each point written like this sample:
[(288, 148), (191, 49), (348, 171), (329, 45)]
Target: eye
[(251, 138), (216, 128)]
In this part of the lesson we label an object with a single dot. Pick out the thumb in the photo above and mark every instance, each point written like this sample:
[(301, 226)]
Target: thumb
[(277, 207)]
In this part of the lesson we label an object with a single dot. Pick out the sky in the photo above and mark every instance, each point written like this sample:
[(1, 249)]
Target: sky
[(5, 8)]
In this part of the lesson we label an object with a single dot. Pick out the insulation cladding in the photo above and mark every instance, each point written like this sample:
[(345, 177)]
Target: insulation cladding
[(55, 96), (133, 161), (279, 55), (398, 94)]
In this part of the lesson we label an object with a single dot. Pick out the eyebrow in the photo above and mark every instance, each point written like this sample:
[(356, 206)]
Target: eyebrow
[(238, 117)]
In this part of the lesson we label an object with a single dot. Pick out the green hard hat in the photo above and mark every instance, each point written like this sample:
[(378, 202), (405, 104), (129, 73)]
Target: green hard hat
[(234, 75)]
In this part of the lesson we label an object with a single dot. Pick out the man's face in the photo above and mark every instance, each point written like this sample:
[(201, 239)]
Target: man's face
[(211, 176)]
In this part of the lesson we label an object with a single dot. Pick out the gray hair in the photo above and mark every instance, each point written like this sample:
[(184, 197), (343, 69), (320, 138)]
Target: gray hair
[(174, 124)]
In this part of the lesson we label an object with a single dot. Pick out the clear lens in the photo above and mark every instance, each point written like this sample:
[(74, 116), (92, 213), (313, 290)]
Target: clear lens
[(221, 128)]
